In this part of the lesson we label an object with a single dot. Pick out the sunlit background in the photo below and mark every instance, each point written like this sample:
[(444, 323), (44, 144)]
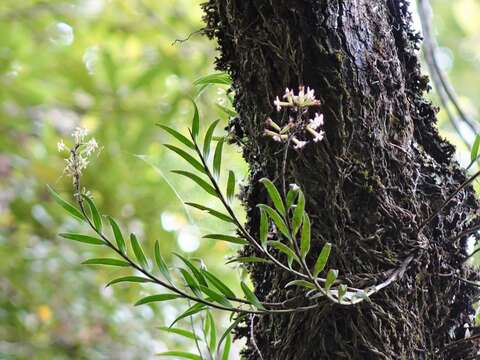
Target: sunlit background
[(117, 67)]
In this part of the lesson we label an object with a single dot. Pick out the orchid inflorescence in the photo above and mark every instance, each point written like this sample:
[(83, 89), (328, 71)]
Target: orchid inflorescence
[(299, 104)]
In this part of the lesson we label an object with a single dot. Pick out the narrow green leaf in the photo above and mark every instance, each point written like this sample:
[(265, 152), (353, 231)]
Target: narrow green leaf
[(194, 309), (181, 332), (208, 139), (66, 205), (215, 281), (212, 212), (195, 121), (291, 195), (263, 231), (274, 195), (251, 296), (82, 238), (331, 277), (226, 348), (213, 332), (187, 157), (134, 279), (106, 261), (157, 298), (180, 354), (212, 294), (301, 283), (227, 332), (277, 219), (199, 181), (228, 111), (285, 250), (306, 237), (217, 158), (248, 259), (117, 233), (196, 272), (97, 219), (191, 282), (298, 213), (322, 259), (217, 78), (475, 148), (231, 186), (161, 264), (230, 239), (137, 250), (183, 139)]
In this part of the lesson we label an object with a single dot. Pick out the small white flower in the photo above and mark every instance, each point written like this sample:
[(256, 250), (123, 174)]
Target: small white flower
[(91, 146), (61, 146), (319, 137), (277, 138), (316, 122), (294, 187), (79, 134), (300, 144), (278, 104)]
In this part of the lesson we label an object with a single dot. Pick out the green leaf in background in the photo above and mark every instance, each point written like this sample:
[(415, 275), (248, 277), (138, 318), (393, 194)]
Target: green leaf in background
[(301, 283), (180, 354), (227, 332), (251, 297), (217, 158), (66, 205), (208, 139), (106, 261), (227, 238), (97, 219), (187, 157), (196, 272), (137, 250), (230, 186), (331, 277), (198, 180), (82, 238), (117, 233), (298, 213), (306, 237), (181, 332), (217, 78), (129, 279), (322, 259), (194, 309), (213, 295), (110, 69), (285, 250), (291, 195), (161, 264), (216, 282), (183, 139), (191, 282), (157, 298), (263, 230), (274, 195), (277, 219), (195, 121), (228, 111), (212, 212), (212, 333), (248, 259), (227, 347), (475, 148)]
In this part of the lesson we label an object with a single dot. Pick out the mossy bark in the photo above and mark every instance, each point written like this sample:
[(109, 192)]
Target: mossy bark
[(380, 172)]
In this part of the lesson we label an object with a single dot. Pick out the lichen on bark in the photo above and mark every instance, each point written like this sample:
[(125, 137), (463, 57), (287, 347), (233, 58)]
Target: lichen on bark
[(380, 172)]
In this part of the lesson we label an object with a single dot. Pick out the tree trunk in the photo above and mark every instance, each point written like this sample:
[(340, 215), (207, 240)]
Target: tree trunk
[(379, 174)]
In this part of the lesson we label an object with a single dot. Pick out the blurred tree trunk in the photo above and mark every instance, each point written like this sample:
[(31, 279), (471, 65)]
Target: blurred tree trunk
[(382, 170)]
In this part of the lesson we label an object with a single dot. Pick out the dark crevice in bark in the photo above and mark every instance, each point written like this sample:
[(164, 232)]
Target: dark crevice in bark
[(382, 169)]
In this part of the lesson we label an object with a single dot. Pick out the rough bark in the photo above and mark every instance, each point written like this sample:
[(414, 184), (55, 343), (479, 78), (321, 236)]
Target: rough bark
[(382, 170)]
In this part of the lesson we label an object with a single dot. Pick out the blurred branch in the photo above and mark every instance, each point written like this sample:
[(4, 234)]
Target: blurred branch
[(445, 90)]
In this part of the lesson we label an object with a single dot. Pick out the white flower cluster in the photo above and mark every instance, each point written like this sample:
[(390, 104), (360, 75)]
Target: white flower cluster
[(304, 99), (300, 103), (82, 149)]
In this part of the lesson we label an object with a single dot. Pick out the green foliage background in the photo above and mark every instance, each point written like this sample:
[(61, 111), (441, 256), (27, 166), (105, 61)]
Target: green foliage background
[(113, 67)]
